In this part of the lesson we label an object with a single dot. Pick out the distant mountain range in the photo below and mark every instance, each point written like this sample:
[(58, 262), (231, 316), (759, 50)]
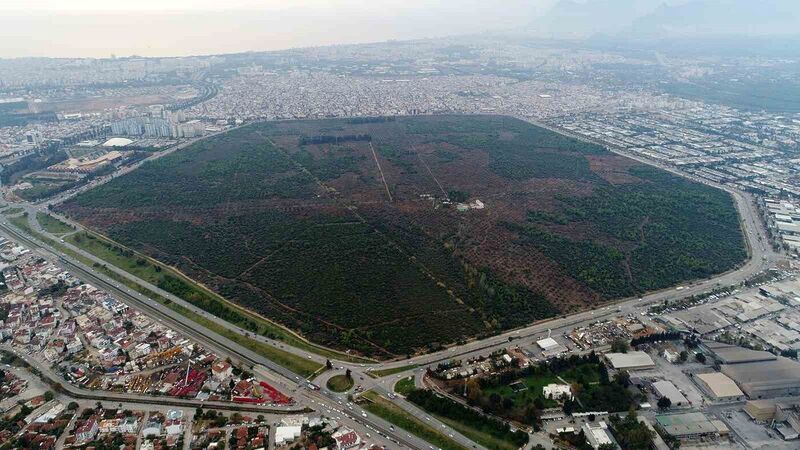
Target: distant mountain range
[(677, 18)]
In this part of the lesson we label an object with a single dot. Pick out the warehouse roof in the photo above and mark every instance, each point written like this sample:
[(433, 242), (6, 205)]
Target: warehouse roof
[(547, 343), (757, 378), (721, 385), (732, 354), (665, 388), (630, 360), (690, 424)]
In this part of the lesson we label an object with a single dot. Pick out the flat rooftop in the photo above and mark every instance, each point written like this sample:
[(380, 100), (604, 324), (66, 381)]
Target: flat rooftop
[(665, 388), (757, 378), (690, 424), (720, 385), (630, 360), (732, 354)]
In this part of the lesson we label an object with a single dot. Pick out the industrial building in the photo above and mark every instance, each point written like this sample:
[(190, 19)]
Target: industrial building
[(597, 434), (630, 361), (665, 388), (760, 410), (690, 425), (783, 417), (550, 347), (718, 386), (733, 354), (765, 379)]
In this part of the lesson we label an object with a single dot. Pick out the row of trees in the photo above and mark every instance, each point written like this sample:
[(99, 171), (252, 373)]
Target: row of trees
[(445, 407), (330, 139)]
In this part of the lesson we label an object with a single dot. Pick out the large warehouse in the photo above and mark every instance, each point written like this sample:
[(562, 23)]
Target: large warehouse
[(718, 386), (665, 388), (630, 360), (733, 354), (693, 424), (766, 379)]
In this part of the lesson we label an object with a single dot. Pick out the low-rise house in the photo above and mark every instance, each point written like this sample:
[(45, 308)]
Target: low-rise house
[(346, 438), (129, 425), (221, 370), (108, 426), (152, 429)]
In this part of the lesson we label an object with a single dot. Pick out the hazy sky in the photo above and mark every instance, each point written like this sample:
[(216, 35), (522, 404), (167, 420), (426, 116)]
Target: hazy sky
[(99, 28), (162, 5)]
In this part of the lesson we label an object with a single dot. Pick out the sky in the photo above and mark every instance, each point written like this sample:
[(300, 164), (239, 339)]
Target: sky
[(99, 28)]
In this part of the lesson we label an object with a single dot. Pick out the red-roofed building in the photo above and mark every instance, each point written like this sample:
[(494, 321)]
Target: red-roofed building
[(346, 439)]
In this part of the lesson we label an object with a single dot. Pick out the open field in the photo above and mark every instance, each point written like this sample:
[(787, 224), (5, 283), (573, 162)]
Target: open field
[(12, 211), (350, 233), (53, 225), (387, 372), (340, 383), (404, 386)]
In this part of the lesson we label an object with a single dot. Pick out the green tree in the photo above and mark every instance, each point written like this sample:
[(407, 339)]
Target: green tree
[(622, 378), (664, 403), (620, 346)]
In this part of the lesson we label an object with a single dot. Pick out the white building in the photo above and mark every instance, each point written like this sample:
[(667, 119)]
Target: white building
[(597, 434), (550, 346), (287, 433), (557, 391)]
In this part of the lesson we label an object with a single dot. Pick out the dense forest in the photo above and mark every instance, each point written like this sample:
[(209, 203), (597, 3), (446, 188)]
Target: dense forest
[(646, 236), (366, 251)]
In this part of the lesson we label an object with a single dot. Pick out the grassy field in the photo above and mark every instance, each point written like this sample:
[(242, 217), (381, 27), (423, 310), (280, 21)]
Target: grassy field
[(404, 386), (21, 222), (53, 225), (387, 372), (340, 383), (386, 410), (12, 211), (533, 390), (483, 438)]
